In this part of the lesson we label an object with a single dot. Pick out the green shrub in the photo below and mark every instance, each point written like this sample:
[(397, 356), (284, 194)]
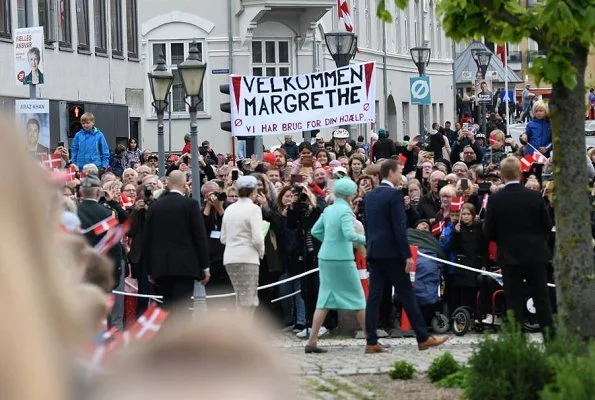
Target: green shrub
[(443, 366), (402, 370), (456, 380), (575, 377), (508, 368)]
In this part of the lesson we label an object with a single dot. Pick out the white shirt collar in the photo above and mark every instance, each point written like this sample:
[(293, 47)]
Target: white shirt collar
[(512, 183), (389, 183)]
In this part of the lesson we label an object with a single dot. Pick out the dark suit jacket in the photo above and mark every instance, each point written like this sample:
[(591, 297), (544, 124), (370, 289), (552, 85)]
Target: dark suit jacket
[(91, 212), (175, 240), (386, 224), (518, 221)]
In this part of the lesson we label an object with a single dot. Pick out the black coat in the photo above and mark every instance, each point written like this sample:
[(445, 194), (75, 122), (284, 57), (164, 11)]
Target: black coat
[(428, 206), (175, 240), (518, 221), (384, 148), (471, 248), (91, 212)]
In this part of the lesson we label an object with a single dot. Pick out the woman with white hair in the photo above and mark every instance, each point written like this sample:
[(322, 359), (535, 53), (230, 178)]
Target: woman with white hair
[(340, 287), (241, 233)]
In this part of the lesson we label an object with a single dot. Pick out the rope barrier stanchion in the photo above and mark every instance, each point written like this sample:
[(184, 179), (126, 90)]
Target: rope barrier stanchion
[(286, 296), (480, 271)]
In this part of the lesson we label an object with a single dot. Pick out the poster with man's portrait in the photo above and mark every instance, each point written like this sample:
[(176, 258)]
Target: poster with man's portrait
[(483, 91), (33, 120), (28, 56)]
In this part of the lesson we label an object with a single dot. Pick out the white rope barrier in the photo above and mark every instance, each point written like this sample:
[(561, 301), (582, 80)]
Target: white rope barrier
[(286, 296), (221, 296), (481, 271)]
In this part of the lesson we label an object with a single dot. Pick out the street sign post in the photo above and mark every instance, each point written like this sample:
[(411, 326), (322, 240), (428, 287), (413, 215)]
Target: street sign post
[(419, 89)]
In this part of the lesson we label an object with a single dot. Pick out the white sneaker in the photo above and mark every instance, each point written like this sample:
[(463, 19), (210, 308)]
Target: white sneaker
[(306, 332), (490, 320)]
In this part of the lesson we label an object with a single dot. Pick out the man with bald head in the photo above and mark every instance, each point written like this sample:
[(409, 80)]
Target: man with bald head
[(175, 251)]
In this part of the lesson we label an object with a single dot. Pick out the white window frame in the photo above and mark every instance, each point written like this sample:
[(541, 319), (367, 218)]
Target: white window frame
[(50, 22), (202, 108), (277, 65), (368, 24)]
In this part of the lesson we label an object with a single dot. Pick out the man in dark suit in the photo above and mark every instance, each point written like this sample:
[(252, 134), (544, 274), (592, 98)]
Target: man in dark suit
[(389, 257), (175, 250), (518, 221), (90, 213)]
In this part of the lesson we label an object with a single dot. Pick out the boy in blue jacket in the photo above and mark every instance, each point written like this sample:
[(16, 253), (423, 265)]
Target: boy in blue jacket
[(89, 145)]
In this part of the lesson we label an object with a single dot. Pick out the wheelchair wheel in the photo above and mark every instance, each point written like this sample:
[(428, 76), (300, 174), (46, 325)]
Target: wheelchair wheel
[(461, 321), (478, 327), (440, 323)]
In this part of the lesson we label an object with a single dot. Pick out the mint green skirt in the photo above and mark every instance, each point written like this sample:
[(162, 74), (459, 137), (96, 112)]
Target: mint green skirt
[(340, 287)]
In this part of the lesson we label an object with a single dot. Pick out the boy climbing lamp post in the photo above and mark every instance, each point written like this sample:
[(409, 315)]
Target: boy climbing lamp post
[(192, 72), (160, 81)]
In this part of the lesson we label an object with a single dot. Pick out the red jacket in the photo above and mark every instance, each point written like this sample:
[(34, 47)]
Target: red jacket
[(186, 148)]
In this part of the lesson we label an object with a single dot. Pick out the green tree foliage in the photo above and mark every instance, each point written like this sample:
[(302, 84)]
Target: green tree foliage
[(565, 30)]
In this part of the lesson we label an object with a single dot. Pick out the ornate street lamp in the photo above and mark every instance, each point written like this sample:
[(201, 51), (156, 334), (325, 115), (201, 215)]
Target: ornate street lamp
[(192, 72), (342, 46), (160, 81), (421, 59), (482, 59)]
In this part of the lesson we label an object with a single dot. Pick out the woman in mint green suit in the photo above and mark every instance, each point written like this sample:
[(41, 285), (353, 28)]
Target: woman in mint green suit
[(340, 286)]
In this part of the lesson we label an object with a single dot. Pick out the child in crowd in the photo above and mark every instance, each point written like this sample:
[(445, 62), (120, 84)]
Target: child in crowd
[(89, 145)]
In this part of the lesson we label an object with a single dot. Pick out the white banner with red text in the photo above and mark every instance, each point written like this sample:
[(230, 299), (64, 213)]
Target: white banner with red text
[(262, 105)]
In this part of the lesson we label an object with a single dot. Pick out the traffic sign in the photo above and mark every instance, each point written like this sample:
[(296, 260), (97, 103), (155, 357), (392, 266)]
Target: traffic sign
[(419, 88)]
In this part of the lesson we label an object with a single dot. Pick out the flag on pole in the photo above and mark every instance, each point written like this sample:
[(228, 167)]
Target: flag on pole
[(437, 228), (112, 237), (345, 14), (501, 52), (539, 158), (102, 226), (526, 163), (51, 160), (147, 326), (456, 204), (484, 202)]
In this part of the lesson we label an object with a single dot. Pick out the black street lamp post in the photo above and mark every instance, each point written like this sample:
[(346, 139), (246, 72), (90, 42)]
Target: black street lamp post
[(421, 58), (482, 59)]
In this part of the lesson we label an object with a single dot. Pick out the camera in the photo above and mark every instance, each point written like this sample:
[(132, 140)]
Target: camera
[(299, 192), (185, 159), (221, 196), (148, 191)]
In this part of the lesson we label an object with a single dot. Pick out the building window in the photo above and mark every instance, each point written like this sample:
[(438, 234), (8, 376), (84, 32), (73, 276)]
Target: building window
[(82, 23), (48, 15), (23, 13), (368, 22), (5, 30), (100, 17), (175, 53), (270, 58), (116, 27), (132, 28), (65, 34)]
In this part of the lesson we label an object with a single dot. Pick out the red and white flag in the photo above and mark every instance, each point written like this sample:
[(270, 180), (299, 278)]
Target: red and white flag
[(437, 228), (402, 159), (501, 52), (112, 237), (539, 158), (456, 204), (51, 160), (102, 226), (126, 202), (345, 14), (147, 326), (526, 163), (492, 140)]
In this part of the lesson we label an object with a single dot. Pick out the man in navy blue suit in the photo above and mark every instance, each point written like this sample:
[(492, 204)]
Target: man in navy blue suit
[(389, 257)]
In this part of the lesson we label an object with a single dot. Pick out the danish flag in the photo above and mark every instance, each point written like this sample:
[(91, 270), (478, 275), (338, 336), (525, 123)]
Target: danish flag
[(402, 159), (437, 229), (345, 14), (539, 158), (147, 326), (51, 160), (102, 226), (112, 237), (492, 140), (456, 203), (526, 163), (59, 176), (126, 202)]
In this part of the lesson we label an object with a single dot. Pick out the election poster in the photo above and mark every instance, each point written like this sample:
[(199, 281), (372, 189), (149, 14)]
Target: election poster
[(484, 93), (33, 120), (28, 56), (285, 104)]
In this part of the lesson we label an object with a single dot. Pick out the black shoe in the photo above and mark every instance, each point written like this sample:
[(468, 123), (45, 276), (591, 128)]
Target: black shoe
[(314, 349), (298, 327)]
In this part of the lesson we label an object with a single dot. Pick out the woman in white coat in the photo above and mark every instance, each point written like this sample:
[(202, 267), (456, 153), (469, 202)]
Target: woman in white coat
[(241, 233)]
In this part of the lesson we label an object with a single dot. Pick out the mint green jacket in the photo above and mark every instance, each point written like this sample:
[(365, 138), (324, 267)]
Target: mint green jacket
[(335, 229)]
